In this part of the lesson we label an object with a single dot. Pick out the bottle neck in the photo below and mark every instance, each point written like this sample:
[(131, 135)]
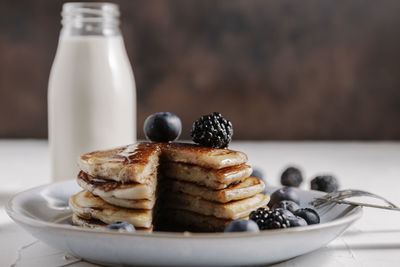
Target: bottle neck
[(90, 19)]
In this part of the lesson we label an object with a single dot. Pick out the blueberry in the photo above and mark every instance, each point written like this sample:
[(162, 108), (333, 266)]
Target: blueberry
[(325, 183), (285, 212), (291, 177), (285, 193), (310, 215), (257, 173), (162, 127), (296, 221), (287, 205), (242, 226), (122, 227)]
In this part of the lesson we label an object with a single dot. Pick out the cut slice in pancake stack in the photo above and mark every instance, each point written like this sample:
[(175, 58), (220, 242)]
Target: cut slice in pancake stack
[(199, 188), (119, 185)]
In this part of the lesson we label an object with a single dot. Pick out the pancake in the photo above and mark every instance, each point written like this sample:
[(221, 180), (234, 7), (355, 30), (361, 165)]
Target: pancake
[(132, 163), (146, 204), (87, 206), (109, 188), (210, 187), (212, 178), (136, 162), (207, 157), (191, 221), (88, 223), (96, 224), (247, 188), (231, 210)]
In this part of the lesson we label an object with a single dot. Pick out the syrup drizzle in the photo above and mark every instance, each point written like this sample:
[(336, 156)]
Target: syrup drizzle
[(128, 152)]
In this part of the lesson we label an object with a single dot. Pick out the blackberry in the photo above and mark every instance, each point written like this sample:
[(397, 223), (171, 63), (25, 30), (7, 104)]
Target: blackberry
[(294, 220), (270, 219), (291, 177), (325, 183), (212, 130)]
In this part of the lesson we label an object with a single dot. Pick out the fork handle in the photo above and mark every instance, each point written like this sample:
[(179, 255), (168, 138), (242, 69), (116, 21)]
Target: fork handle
[(364, 204), (343, 194)]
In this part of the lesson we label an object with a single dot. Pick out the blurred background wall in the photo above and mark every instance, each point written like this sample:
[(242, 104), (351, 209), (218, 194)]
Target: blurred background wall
[(286, 70)]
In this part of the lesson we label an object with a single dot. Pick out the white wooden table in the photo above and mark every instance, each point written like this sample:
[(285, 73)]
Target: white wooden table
[(374, 166)]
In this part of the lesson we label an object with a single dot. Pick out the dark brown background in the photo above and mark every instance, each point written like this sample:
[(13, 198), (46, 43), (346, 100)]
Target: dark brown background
[(323, 69)]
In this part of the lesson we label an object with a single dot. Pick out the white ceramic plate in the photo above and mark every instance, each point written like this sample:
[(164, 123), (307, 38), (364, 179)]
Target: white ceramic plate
[(44, 212)]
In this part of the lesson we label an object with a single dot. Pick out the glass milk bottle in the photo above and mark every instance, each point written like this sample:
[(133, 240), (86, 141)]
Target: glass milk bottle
[(92, 93)]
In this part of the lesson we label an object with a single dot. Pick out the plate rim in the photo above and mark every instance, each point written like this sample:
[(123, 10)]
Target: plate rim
[(24, 219)]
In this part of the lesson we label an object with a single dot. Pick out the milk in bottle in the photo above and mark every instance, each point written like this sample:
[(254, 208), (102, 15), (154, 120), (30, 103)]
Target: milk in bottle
[(91, 93)]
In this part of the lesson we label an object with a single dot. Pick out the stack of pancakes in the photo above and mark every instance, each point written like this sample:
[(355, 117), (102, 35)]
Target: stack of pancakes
[(119, 185), (146, 184)]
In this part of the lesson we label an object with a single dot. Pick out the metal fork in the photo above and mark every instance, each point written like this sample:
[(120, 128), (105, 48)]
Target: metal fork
[(340, 196)]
